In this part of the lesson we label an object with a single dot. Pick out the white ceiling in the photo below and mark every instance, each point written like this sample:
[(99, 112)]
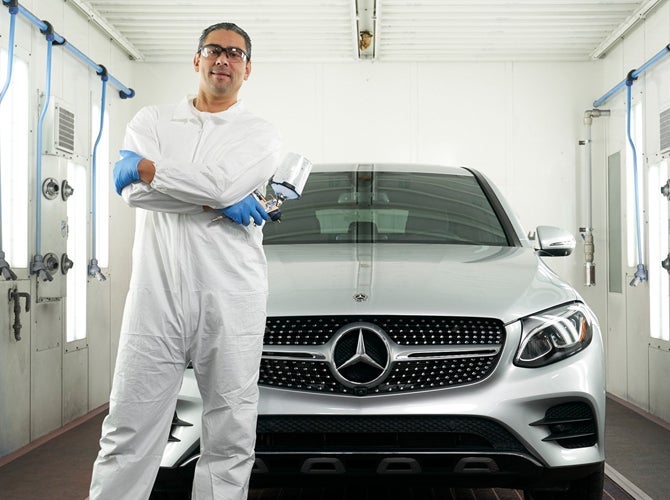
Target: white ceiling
[(404, 30)]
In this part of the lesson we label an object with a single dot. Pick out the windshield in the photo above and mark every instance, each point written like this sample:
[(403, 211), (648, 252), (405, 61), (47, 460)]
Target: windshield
[(388, 207)]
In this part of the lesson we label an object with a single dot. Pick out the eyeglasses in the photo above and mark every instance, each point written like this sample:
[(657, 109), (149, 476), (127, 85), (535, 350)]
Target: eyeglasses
[(214, 51)]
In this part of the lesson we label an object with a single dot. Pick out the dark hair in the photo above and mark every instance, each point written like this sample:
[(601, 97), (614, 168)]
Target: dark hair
[(228, 27)]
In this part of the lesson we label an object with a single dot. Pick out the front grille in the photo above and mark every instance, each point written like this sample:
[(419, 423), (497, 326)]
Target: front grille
[(571, 425), (443, 331), (414, 375), (472, 348), (299, 330), (374, 433), (404, 330)]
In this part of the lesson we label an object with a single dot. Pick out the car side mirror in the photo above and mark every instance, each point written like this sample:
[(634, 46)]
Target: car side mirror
[(554, 241)]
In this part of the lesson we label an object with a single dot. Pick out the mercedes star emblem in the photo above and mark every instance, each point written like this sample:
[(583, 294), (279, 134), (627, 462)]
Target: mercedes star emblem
[(360, 355)]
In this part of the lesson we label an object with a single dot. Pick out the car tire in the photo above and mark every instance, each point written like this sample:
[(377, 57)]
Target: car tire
[(587, 488)]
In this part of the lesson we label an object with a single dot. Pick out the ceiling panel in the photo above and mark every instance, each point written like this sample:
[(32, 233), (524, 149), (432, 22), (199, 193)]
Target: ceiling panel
[(404, 30)]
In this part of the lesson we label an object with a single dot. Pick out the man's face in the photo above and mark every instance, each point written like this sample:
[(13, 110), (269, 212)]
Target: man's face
[(218, 75)]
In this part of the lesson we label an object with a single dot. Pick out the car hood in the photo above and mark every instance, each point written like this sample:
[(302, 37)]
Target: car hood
[(507, 283)]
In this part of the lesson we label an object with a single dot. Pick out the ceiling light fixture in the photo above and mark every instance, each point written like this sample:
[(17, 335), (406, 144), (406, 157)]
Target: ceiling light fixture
[(366, 23)]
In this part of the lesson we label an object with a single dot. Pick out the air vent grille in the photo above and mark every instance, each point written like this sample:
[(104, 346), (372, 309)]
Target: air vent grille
[(64, 133)]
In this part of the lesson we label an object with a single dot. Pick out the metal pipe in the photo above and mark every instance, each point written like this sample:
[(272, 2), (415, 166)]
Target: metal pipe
[(587, 230), (633, 74), (124, 92)]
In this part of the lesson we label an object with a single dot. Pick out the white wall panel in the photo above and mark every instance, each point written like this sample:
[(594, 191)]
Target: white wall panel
[(14, 371), (659, 371), (462, 113), (98, 325), (290, 95), (75, 384), (366, 113)]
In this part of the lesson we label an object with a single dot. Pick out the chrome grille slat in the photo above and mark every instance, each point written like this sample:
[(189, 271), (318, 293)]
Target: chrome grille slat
[(425, 352)]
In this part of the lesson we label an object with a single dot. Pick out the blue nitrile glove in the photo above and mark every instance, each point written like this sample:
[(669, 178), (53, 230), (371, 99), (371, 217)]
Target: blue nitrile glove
[(125, 170), (246, 209)]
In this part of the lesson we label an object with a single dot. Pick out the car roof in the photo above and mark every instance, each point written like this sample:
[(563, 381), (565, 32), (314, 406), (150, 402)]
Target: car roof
[(391, 167)]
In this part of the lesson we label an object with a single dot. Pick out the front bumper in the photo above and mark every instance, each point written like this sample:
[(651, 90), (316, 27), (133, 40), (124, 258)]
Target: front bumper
[(514, 400), (504, 431)]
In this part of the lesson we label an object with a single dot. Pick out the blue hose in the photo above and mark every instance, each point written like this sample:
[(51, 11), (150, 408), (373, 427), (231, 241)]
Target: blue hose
[(633, 74), (94, 169), (10, 64), (641, 272), (5, 269), (40, 126), (124, 92), (10, 50)]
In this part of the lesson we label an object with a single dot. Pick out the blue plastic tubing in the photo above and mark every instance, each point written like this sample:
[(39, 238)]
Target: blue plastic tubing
[(10, 50), (124, 92), (633, 75), (94, 227), (629, 85), (13, 10), (40, 123)]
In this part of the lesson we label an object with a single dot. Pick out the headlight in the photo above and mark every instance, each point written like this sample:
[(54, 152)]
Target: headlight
[(554, 335)]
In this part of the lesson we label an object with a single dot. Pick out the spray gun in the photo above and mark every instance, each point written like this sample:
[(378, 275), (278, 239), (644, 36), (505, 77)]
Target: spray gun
[(287, 183)]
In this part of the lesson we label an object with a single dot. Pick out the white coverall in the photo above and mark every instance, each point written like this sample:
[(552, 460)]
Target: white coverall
[(197, 292)]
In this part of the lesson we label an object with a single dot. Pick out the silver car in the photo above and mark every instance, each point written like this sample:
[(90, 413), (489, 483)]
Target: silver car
[(415, 333)]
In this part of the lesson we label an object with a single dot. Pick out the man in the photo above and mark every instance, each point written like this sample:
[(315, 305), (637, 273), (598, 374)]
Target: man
[(198, 288)]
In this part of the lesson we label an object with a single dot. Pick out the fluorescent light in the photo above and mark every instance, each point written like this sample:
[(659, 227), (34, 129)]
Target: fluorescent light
[(14, 137), (659, 282), (77, 212)]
